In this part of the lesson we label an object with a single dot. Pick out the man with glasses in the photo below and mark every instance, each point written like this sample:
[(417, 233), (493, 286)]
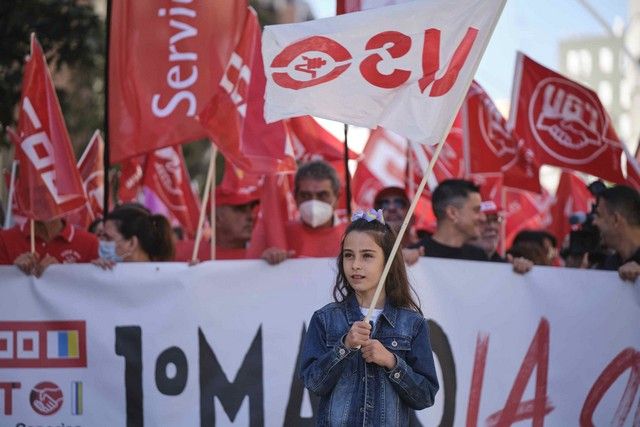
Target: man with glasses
[(489, 238)]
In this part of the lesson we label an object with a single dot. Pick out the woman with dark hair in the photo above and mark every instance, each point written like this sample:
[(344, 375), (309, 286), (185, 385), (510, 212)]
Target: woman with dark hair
[(132, 234)]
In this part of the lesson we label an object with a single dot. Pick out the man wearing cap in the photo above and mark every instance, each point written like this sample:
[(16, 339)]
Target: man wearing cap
[(235, 218), (318, 231), (56, 241), (395, 204)]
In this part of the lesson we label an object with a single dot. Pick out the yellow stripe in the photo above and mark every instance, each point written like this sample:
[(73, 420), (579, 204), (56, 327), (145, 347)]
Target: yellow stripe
[(72, 337)]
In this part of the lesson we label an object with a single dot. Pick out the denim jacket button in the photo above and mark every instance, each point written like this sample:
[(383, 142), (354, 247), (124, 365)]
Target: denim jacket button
[(396, 375), (394, 343), (342, 352)]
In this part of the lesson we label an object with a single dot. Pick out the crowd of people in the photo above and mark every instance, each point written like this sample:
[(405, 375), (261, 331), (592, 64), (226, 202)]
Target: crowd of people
[(468, 228)]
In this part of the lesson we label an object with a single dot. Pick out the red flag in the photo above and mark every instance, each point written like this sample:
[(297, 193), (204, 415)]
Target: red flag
[(91, 168), (130, 184), (164, 64), (491, 147), (311, 141), (572, 196), (237, 186), (564, 122), (48, 185), (348, 6), (525, 210), (234, 116), (166, 175)]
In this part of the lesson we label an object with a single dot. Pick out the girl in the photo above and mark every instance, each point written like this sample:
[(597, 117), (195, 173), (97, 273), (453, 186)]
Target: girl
[(366, 375)]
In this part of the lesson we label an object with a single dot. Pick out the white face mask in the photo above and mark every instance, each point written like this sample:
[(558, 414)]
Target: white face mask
[(315, 213)]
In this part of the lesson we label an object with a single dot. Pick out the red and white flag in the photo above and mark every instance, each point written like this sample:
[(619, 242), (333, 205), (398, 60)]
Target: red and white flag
[(348, 6), (91, 168), (130, 182), (564, 122), (234, 117), (525, 210), (491, 147), (165, 62), (572, 196), (48, 184), (380, 67), (166, 175), (310, 141)]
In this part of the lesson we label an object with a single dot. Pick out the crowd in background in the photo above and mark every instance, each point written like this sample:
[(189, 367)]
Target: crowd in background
[(467, 228)]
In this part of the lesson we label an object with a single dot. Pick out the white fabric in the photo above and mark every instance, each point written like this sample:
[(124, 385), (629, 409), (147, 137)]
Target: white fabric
[(351, 97), (592, 317), (375, 314)]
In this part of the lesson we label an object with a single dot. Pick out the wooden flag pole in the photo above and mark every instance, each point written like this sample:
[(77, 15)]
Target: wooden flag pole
[(12, 190), (33, 235), (405, 223), (347, 174), (203, 207), (212, 219)]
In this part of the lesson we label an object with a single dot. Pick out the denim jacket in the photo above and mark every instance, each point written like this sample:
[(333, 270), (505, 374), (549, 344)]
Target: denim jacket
[(353, 392)]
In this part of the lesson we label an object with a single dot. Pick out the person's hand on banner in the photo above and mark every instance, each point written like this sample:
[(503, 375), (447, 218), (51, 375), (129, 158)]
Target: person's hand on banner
[(521, 265), (276, 255), (28, 263), (629, 271), (103, 263), (44, 263), (411, 256)]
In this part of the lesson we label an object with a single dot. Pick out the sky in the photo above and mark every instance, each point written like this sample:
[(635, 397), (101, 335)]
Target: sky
[(532, 26)]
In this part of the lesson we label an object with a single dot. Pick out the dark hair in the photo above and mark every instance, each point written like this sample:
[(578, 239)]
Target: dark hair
[(450, 192), (397, 288), (536, 236), (153, 231), (529, 249), (94, 225), (317, 170), (623, 200)]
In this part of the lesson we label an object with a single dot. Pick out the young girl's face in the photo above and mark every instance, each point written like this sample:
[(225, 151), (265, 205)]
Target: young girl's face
[(363, 262)]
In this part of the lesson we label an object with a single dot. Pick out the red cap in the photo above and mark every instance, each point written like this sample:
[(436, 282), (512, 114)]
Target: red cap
[(489, 207), (242, 196)]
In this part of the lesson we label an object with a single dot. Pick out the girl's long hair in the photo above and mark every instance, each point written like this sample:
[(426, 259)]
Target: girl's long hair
[(397, 288)]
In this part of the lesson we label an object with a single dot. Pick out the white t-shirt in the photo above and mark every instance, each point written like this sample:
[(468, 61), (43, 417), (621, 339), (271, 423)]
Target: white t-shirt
[(374, 315)]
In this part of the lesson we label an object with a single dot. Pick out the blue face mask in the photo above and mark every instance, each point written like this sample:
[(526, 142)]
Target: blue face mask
[(107, 250)]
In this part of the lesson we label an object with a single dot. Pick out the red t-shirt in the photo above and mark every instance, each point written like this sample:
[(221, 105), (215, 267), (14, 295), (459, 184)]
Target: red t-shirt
[(314, 242), (71, 245), (184, 250)]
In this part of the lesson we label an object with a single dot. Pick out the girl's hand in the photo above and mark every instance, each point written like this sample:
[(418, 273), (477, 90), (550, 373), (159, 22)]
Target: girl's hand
[(104, 264), (374, 352), (358, 335)]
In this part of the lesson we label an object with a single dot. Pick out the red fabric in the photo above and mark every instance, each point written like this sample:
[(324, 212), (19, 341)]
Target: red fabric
[(494, 148), (71, 245), (167, 176), (572, 196), (91, 169), (130, 184), (525, 210), (564, 123), (237, 187), (491, 188), (164, 65), (48, 185), (314, 242), (184, 250), (311, 141), (234, 117)]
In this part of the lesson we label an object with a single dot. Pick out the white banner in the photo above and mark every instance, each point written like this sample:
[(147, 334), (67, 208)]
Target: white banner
[(217, 344), (405, 67)]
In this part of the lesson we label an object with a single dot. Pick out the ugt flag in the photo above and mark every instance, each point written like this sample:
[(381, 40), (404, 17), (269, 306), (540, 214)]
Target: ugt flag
[(564, 122), (383, 66), (48, 185)]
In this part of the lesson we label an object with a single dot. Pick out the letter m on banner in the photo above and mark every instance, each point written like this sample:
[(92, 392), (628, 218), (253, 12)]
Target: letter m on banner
[(409, 78)]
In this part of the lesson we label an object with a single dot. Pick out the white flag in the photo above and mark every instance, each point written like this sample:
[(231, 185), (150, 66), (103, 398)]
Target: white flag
[(405, 67)]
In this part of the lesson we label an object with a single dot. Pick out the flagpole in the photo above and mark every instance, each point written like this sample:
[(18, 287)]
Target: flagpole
[(203, 207), (107, 183), (347, 175), (33, 236), (405, 223), (212, 219), (12, 189)]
